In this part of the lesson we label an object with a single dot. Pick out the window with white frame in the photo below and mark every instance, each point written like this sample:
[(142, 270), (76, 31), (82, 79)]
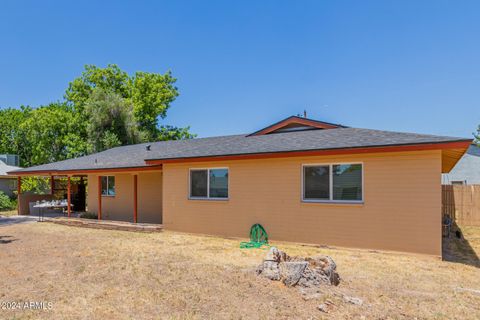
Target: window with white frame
[(209, 183), (333, 182), (108, 186)]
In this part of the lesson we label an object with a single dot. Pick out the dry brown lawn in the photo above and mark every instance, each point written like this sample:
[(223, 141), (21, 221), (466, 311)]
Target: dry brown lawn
[(100, 274), (8, 213)]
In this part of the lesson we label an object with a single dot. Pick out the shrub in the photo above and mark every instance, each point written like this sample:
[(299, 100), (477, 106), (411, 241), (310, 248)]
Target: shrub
[(5, 202), (89, 215)]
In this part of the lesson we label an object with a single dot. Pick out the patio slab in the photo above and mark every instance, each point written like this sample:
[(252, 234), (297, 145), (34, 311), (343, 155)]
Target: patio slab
[(107, 224)]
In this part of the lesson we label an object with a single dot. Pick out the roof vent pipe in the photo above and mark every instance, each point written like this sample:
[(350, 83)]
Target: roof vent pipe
[(148, 147)]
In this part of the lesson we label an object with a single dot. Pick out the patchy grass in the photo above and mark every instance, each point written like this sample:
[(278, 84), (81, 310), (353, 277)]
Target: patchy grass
[(103, 274), (8, 213)]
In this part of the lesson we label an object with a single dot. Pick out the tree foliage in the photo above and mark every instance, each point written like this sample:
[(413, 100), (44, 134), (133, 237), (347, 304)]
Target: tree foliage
[(110, 78), (148, 94), (52, 134), (5, 202), (111, 121), (102, 108), (173, 133), (11, 136), (36, 185), (151, 96)]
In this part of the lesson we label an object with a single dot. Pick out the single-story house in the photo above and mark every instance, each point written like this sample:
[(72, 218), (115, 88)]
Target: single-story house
[(304, 180), (8, 183), (467, 169)]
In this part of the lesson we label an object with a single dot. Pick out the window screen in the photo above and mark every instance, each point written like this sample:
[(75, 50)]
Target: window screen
[(347, 182), (218, 183), (209, 183), (317, 182), (338, 182), (198, 183), (108, 186)]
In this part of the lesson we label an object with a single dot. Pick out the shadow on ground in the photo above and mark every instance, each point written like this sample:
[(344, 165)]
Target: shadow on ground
[(7, 239), (6, 221), (464, 249)]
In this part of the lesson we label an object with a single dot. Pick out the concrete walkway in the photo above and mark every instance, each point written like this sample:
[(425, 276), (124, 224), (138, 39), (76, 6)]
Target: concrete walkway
[(7, 221), (109, 224), (78, 222)]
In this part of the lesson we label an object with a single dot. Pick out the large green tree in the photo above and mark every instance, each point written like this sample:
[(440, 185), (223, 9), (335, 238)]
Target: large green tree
[(110, 78), (41, 135), (111, 122), (102, 108), (149, 95), (52, 133), (11, 136)]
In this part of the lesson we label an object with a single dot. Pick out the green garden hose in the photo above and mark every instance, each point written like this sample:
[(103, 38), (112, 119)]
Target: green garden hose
[(258, 238)]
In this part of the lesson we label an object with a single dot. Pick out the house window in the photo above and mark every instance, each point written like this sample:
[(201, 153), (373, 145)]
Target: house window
[(458, 182), (317, 182), (209, 183), (108, 186), (12, 184), (333, 183)]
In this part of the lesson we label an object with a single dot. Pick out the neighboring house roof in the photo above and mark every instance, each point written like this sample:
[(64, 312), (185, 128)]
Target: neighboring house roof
[(269, 143), (6, 168), (467, 169)]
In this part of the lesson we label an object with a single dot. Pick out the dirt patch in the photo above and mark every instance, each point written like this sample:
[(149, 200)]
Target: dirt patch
[(104, 274)]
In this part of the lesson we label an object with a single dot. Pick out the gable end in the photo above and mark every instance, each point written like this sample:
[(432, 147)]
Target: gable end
[(295, 123)]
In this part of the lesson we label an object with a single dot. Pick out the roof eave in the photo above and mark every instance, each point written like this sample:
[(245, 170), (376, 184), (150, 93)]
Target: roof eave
[(70, 172)]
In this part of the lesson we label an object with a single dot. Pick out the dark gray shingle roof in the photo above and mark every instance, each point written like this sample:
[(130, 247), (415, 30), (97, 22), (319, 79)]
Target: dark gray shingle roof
[(135, 155)]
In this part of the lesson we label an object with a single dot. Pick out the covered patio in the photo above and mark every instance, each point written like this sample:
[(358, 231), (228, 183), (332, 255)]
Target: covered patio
[(104, 194), (64, 197)]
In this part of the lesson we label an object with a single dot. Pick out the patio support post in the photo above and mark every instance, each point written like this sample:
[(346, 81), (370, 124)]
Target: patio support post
[(19, 191), (52, 184), (69, 197), (99, 195), (135, 202)]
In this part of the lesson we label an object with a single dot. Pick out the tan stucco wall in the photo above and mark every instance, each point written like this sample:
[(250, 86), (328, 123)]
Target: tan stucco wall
[(401, 211), (120, 207)]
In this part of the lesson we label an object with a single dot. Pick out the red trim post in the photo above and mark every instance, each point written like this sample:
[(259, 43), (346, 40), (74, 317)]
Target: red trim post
[(135, 202), (69, 197), (99, 195), (52, 184), (19, 191)]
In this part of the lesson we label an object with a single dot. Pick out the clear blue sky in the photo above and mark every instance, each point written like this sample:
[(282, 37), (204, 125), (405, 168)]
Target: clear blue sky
[(241, 65)]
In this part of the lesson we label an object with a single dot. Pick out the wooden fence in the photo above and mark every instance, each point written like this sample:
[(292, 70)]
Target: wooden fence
[(462, 203)]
